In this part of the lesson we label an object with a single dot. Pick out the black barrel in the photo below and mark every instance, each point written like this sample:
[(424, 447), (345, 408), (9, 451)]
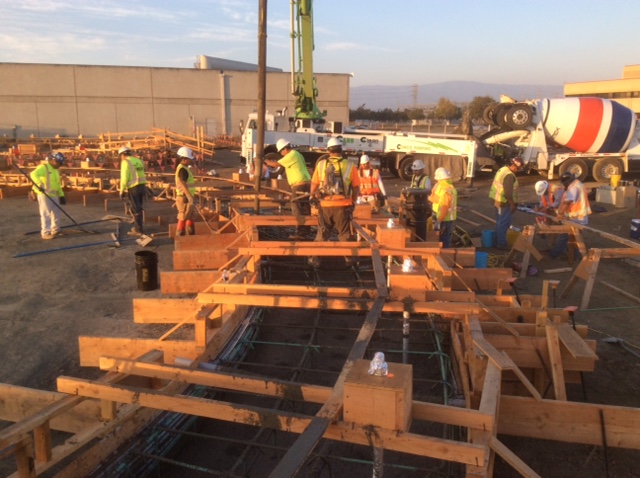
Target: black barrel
[(147, 270)]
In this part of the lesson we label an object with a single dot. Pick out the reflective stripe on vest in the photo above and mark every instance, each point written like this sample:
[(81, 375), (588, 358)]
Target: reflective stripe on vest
[(369, 184), (135, 178), (439, 192), (497, 188), (190, 181), (336, 200), (579, 208), (419, 181), (549, 196)]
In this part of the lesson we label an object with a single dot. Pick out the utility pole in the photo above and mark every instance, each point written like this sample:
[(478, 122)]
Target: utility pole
[(262, 98)]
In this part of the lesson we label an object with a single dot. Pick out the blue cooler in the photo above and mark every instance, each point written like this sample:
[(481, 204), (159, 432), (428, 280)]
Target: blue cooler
[(635, 229)]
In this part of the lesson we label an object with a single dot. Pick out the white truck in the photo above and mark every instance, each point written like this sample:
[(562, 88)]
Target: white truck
[(395, 150), (585, 136)]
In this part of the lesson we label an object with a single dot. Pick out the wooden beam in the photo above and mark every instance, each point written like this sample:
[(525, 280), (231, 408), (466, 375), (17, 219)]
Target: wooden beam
[(574, 342), (437, 448), (555, 361), (570, 422), (92, 348), (511, 458), (186, 282), (164, 311)]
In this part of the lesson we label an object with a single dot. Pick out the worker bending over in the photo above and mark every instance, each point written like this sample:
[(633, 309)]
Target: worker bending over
[(444, 200), (48, 189)]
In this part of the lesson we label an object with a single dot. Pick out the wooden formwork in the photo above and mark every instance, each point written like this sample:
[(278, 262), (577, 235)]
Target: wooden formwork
[(513, 359)]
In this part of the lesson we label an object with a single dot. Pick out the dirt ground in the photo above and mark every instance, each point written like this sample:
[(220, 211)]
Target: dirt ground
[(48, 300)]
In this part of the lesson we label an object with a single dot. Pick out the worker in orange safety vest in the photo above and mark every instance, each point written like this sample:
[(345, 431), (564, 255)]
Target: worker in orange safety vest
[(372, 189)]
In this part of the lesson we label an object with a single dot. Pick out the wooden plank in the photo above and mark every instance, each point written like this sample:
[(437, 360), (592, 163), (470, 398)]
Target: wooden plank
[(285, 421), (480, 279), (292, 290), (555, 361), (187, 282), (92, 348), (209, 242), (464, 417), (42, 442), (621, 292), (574, 342), (570, 422), (198, 260), (511, 458), (164, 311)]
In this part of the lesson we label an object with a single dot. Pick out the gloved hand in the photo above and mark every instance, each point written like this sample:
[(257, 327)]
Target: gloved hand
[(436, 225), (63, 200)]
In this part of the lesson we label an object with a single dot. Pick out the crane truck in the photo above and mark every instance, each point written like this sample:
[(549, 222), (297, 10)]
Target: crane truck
[(585, 136), (308, 129)]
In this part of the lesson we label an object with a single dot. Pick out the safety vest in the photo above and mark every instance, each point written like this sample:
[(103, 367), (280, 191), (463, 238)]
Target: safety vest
[(497, 188), (549, 197), (439, 197), (190, 181), (579, 208), (338, 193), (420, 181), (369, 185), (133, 173), (48, 179)]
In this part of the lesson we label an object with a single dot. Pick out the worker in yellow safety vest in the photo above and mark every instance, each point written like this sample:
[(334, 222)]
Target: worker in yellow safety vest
[(335, 184), (504, 194), (48, 189), (444, 200), (133, 184), (185, 191), (372, 189)]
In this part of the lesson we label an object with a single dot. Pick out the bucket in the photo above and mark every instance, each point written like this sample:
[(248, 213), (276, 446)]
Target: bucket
[(482, 259), (487, 238), (615, 180), (147, 270)]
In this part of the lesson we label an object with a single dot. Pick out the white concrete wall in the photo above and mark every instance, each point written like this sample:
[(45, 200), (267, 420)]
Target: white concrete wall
[(70, 100)]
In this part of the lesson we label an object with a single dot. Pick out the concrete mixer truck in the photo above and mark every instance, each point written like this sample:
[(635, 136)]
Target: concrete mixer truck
[(586, 136)]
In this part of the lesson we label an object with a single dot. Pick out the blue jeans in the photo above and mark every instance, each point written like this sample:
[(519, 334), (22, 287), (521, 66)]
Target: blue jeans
[(504, 216), (560, 247), (446, 227)]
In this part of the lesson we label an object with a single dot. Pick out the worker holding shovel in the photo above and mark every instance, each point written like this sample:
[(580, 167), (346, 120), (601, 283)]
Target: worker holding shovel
[(185, 191), (48, 190)]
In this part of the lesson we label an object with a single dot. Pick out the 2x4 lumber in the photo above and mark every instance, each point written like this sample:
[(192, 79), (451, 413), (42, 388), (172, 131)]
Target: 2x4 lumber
[(92, 348), (621, 292), (450, 296), (576, 342), (201, 259), (437, 448), (514, 460), (518, 314), (292, 290), (555, 359), (573, 340), (570, 422), (480, 279), (208, 242), (164, 311), (42, 442), (187, 282), (284, 389), (20, 403)]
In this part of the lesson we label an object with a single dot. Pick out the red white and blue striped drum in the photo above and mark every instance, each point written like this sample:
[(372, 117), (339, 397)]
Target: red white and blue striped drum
[(588, 125)]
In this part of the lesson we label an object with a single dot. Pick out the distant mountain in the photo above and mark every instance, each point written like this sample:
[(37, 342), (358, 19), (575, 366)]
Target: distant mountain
[(394, 97)]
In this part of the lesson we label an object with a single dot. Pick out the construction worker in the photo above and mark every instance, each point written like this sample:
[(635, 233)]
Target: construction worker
[(133, 185), (48, 189), (415, 201), (299, 180), (371, 187), (336, 185), (444, 200), (550, 199), (185, 191), (504, 194), (574, 207)]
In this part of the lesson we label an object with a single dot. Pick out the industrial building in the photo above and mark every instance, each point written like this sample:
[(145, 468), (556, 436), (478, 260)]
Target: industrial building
[(70, 100), (625, 90)]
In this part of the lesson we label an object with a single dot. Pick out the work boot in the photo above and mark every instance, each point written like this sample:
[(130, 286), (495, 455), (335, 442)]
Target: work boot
[(190, 228), (47, 237), (134, 232), (180, 232)]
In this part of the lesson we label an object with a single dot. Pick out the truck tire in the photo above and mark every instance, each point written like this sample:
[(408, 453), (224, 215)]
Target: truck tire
[(605, 167), (500, 114), (404, 171), (519, 117), (577, 166)]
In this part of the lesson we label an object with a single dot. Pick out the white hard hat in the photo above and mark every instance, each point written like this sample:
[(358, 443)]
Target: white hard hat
[(185, 152), (124, 149), (417, 165), (364, 159), (541, 187), (334, 142), (442, 173), (281, 144)]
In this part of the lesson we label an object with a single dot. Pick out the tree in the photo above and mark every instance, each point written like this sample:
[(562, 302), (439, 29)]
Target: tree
[(415, 114), (478, 104), (446, 109)]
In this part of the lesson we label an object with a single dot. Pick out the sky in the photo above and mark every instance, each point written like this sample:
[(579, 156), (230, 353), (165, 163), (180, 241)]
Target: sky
[(380, 42)]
